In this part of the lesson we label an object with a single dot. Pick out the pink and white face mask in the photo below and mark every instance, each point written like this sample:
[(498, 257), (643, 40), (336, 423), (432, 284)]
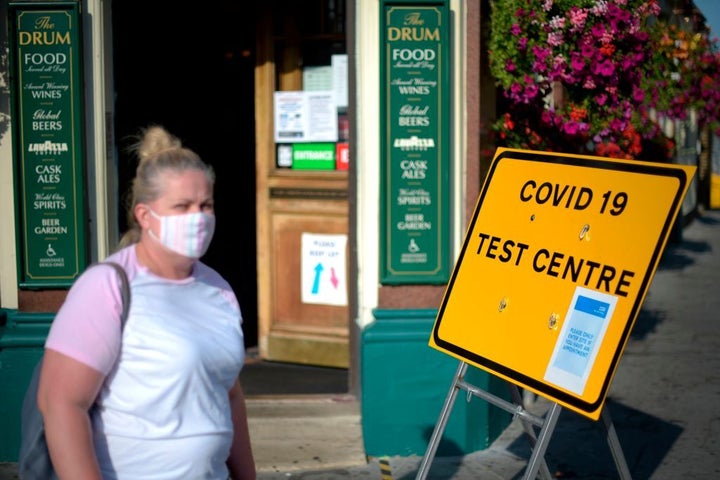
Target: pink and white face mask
[(188, 234)]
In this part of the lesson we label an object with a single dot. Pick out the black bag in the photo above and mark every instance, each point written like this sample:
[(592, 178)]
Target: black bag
[(34, 460)]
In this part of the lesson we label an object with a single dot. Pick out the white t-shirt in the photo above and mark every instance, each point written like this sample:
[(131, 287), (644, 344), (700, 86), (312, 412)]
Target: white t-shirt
[(163, 411)]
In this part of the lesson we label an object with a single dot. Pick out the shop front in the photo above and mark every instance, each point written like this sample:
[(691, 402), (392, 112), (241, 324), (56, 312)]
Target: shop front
[(346, 140)]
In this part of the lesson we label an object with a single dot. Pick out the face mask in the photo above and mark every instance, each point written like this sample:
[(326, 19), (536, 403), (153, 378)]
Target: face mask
[(188, 234)]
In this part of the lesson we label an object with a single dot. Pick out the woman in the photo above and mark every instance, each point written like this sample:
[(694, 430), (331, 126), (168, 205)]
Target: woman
[(160, 399)]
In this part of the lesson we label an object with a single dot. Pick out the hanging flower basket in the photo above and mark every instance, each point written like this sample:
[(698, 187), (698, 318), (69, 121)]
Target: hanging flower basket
[(589, 77)]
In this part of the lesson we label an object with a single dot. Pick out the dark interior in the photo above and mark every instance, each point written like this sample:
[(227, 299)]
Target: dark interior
[(192, 71)]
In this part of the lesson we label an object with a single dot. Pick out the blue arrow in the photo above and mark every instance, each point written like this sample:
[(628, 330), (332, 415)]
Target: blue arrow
[(316, 282)]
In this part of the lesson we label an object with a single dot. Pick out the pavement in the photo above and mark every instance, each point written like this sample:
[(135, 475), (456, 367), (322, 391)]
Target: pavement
[(664, 402)]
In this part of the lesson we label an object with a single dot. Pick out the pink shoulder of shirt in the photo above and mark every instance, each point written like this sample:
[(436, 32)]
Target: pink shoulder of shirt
[(87, 326)]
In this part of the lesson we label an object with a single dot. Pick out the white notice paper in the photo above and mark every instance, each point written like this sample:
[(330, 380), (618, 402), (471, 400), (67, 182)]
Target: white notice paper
[(323, 269), (340, 79), (580, 338), (302, 116), (317, 78)]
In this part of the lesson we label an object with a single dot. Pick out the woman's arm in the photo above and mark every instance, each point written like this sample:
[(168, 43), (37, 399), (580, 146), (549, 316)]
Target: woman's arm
[(241, 462), (66, 391)]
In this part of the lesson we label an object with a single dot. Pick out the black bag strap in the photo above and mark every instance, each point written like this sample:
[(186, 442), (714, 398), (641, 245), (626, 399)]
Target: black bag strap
[(124, 289)]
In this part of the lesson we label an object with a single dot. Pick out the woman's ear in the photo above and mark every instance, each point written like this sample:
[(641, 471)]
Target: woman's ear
[(142, 215)]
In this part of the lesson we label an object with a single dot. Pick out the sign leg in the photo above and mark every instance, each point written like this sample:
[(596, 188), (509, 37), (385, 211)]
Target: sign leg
[(538, 455), (529, 431), (440, 425), (615, 448)]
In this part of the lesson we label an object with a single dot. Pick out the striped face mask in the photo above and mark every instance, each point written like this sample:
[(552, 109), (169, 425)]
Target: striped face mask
[(188, 234)]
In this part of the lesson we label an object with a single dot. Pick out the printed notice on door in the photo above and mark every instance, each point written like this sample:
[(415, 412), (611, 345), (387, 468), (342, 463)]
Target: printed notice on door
[(324, 278)]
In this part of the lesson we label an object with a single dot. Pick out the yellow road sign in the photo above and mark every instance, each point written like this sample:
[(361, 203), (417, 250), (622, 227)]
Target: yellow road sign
[(556, 263)]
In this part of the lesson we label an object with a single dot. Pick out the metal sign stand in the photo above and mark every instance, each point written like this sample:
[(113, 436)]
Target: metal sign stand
[(538, 442)]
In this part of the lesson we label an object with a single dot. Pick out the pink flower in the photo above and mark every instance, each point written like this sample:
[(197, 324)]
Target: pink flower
[(589, 83), (617, 14), (605, 68), (638, 94), (617, 125), (571, 127), (546, 117), (541, 53), (557, 22), (555, 39), (587, 50), (539, 67), (627, 62), (578, 17), (577, 62), (599, 9), (642, 36), (531, 89)]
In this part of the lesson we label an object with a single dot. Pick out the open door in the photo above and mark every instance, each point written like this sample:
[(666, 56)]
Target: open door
[(302, 183)]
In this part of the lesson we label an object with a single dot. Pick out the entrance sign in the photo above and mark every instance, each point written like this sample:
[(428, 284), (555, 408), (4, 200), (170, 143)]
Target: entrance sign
[(557, 260), (49, 150)]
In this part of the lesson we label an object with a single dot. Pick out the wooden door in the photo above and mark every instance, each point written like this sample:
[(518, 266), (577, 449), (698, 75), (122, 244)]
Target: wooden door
[(293, 202)]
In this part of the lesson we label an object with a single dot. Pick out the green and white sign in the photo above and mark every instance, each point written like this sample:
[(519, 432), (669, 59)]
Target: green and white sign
[(313, 156), (415, 147), (46, 57)]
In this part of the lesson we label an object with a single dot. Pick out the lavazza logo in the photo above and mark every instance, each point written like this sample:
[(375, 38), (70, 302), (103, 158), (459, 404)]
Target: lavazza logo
[(47, 148), (414, 144)]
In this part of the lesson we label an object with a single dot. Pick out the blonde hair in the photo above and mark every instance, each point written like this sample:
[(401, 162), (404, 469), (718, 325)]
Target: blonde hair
[(158, 152)]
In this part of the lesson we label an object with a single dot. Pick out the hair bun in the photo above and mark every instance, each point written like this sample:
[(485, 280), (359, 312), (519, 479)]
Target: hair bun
[(155, 139)]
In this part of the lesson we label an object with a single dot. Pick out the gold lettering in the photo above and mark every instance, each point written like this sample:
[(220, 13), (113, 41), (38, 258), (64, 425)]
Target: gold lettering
[(413, 34), (414, 19), (44, 38), (44, 23)]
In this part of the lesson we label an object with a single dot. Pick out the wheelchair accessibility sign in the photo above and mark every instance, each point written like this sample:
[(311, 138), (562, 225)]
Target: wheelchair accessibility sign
[(558, 258)]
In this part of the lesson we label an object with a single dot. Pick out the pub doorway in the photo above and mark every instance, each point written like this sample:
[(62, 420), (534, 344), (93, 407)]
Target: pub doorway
[(191, 70)]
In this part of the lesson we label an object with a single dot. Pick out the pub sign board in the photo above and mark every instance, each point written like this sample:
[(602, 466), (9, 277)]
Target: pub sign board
[(558, 258), (49, 150), (414, 139)]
